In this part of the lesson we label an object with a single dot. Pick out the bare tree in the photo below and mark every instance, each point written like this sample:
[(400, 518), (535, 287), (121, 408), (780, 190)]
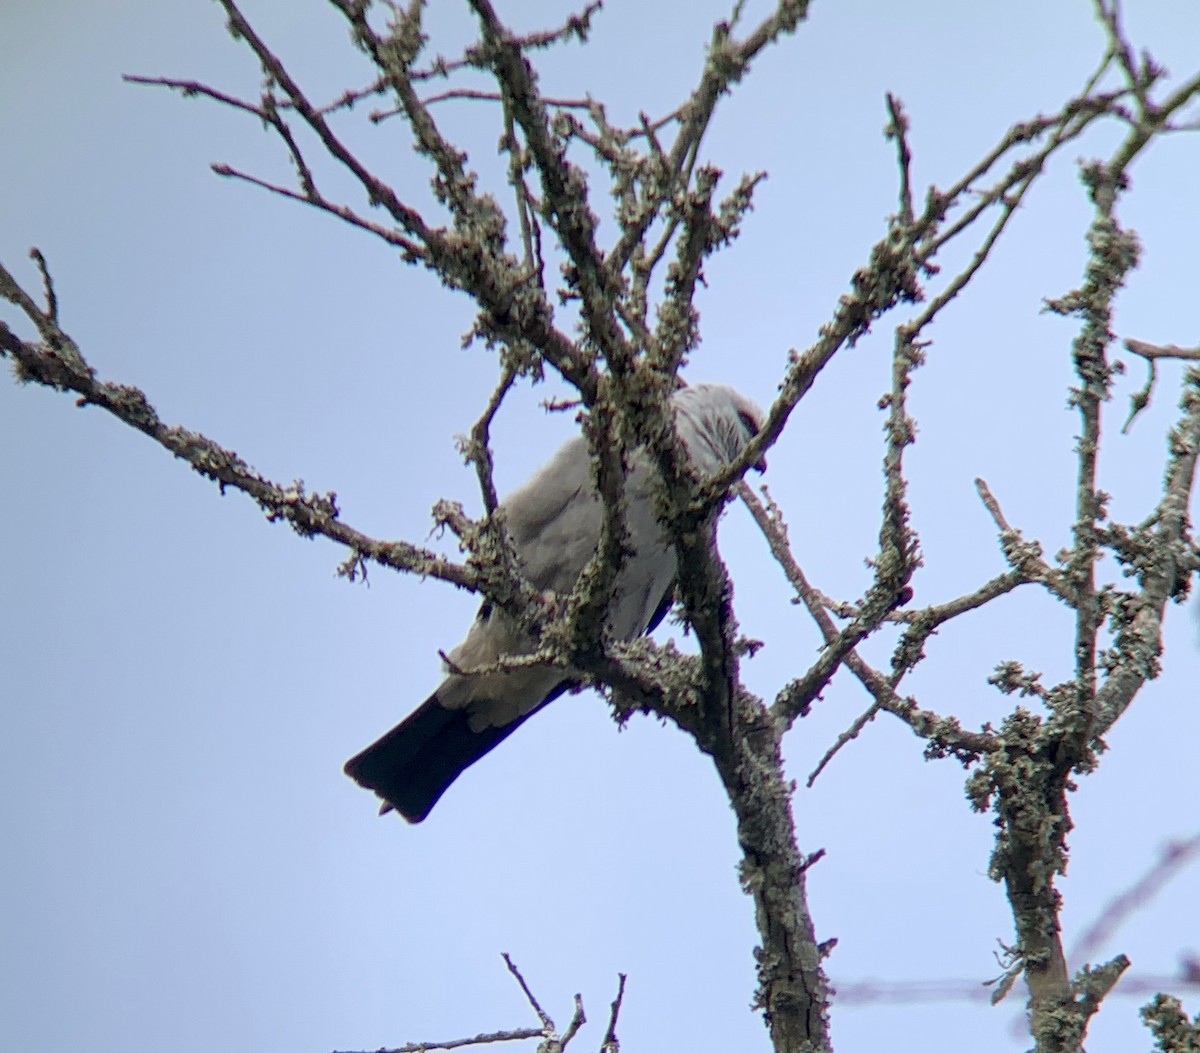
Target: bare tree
[(617, 326)]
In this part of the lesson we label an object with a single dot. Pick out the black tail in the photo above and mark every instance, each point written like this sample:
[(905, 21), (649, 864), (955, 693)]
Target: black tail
[(415, 763)]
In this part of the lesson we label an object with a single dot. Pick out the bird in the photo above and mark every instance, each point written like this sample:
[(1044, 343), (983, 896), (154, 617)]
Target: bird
[(554, 523)]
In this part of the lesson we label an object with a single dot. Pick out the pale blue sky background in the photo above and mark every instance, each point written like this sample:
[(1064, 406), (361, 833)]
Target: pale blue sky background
[(184, 863)]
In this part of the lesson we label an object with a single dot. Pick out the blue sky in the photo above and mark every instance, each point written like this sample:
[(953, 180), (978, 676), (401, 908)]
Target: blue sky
[(182, 681)]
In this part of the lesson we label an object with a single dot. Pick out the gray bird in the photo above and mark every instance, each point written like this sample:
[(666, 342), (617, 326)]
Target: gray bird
[(554, 522)]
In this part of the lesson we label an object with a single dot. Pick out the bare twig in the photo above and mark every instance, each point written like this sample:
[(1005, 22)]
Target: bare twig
[(1025, 557), (610, 1043), (478, 449), (482, 95), (1172, 859), (35, 254), (1170, 558), (726, 63), (410, 249), (191, 88), (516, 1035), (58, 363), (849, 735), (855, 994), (897, 129), (1152, 353), (944, 734), (578, 1019), (542, 1015)]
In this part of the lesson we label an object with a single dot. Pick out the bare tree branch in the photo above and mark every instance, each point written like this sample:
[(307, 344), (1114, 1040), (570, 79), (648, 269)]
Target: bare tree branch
[(57, 362), (622, 366), (1152, 353), (1173, 858)]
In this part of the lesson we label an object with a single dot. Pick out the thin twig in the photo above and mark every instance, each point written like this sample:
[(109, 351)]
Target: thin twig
[(542, 1015), (1172, 859), (35, 254), (943, 732), (898, 129), (479, 451), (58, 363), (611, 1043), (856, 994), (1156, 351), (1152, 353), (1024, 556), (412, 250), (515, 1035), (578, 1019)]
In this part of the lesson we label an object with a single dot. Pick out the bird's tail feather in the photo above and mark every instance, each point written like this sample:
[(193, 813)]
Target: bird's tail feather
[(414, 764)]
